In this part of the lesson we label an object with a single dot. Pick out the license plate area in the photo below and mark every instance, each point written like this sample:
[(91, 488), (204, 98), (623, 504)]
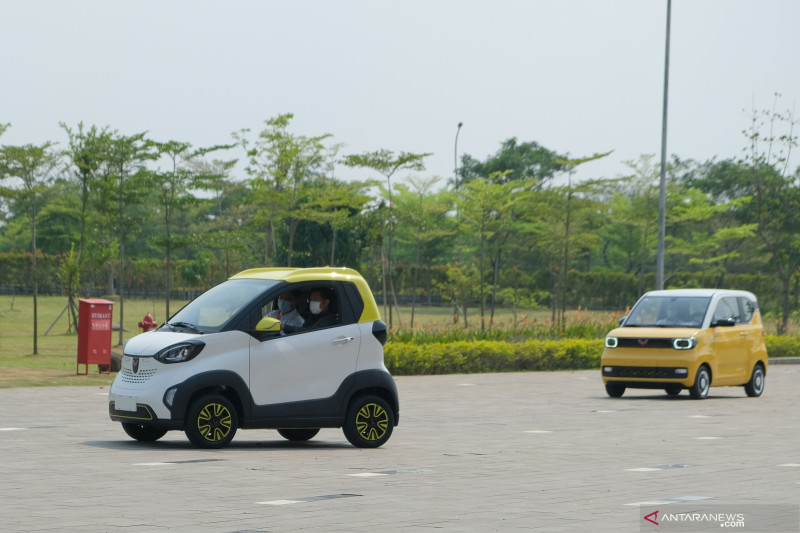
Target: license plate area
[(125, 403)]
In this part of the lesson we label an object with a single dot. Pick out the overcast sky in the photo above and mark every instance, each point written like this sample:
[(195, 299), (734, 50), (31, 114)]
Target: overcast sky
[(576, 76)]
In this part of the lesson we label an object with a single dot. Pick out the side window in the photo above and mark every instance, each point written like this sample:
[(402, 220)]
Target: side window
[(728, 307), (748, 309)]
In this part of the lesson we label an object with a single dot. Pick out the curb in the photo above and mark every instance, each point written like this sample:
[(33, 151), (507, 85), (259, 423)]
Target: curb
[(784, 361)]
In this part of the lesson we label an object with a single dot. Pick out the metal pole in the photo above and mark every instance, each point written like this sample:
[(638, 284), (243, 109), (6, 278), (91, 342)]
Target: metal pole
[(662, 198), (455, 157)]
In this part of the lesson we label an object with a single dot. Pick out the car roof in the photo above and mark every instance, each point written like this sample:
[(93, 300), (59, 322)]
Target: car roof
[(295, 275), (702, 293)]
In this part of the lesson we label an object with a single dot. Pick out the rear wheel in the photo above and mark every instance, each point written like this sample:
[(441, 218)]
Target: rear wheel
[(615, 390), (702, 382), (755, 386), (369, 421), (298, 434), (143, 433), (211, 421), (673, 390)]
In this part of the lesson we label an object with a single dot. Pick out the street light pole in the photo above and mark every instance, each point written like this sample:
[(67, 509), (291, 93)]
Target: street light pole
[(455, 156), (662, 197)]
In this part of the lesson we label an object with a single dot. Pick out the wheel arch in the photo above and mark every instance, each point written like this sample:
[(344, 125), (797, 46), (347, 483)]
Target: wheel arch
[(380, 384), (225, 383)]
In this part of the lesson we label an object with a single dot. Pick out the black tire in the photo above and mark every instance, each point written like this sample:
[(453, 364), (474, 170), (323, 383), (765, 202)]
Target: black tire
[(702, 382), (369, 421), (615, 390), (211, 421), (143, 433), (673, 390), (298, 434), (755, 386)]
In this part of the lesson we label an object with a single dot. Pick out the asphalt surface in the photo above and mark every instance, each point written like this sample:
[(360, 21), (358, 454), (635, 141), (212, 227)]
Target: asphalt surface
[(487, 452)]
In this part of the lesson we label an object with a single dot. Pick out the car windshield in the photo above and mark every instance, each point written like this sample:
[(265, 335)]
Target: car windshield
[(211, 310), (669, 312)]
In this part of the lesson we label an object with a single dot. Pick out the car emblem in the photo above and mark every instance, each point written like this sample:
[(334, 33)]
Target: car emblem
[(135, 365), (642, 342)]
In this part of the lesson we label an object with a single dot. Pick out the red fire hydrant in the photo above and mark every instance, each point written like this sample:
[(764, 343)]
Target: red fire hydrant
[(147, 323)]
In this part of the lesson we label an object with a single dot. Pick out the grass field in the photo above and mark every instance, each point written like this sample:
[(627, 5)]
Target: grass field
[(55, 364)]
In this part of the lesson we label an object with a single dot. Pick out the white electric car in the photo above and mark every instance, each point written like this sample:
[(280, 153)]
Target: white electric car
[(220, 364)]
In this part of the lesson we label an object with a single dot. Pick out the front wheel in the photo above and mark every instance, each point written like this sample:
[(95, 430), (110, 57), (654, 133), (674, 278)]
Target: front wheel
[(615, 390), (298, 434), (673, 390), (143, 433), (369, 421), (211, 421), (702, 382), (755, 386)]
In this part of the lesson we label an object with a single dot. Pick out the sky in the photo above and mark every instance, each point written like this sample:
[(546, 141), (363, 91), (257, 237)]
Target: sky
[(578, 77)]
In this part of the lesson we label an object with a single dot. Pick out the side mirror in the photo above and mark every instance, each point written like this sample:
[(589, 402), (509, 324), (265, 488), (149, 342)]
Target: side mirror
[(725, 322), (269, 325), (622, 320)]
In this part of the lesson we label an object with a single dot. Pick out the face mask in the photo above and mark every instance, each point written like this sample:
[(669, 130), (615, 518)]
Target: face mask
[(315, 307), (284, 305)]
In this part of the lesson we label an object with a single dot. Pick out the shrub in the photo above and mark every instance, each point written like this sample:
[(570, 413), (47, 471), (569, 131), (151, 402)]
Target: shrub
[(464, 357), (782, 346)]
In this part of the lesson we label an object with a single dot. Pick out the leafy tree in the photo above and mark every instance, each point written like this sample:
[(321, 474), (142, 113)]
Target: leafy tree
[(120, 189), (279, 162), (172, 190), (386, 163), (422, 214), (528, 161), (483, 205), (27, 173)]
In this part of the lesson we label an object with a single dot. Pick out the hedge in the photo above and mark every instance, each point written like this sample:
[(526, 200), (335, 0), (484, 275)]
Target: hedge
[(465, 357)]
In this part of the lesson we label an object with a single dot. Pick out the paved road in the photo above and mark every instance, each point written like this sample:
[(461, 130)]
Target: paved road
[(491, 452)]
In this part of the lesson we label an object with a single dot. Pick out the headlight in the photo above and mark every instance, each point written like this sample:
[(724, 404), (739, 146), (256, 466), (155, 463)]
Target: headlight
[(178, 353), (611, 342), (684, 344)]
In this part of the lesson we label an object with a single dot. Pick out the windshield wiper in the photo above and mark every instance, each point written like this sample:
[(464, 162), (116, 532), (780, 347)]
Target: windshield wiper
[(184, 325)]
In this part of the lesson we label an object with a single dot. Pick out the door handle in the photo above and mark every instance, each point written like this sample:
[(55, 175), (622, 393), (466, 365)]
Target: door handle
[(343, 340)]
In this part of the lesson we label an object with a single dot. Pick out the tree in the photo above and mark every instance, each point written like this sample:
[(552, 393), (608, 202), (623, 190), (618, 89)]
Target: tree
[(571, 216), (387, 164), (422, 215), (279, 163), (172, 190), (482, 205), (514, 161), (775, 207), (28, 172), (121, 188)]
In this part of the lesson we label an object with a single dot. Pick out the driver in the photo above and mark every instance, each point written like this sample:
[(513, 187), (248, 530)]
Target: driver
[(287, 313)]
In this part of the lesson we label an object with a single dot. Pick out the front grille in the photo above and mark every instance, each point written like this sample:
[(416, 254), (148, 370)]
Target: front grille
[(647, 372), (142, 376), (623, 342)]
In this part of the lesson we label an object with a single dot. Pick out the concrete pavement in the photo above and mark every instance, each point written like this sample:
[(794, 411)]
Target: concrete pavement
[(542, 452)]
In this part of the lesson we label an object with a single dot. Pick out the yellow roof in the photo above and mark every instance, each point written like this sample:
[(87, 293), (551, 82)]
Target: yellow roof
[(294, 275)]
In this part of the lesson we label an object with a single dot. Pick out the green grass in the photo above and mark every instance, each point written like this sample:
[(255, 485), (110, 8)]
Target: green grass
[(55, 362)]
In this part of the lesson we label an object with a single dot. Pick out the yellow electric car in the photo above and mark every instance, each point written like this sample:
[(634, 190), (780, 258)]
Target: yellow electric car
[(687, 339)]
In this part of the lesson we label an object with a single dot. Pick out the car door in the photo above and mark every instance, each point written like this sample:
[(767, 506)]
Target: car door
[(307, 365), (727, 341), (751, 339)]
